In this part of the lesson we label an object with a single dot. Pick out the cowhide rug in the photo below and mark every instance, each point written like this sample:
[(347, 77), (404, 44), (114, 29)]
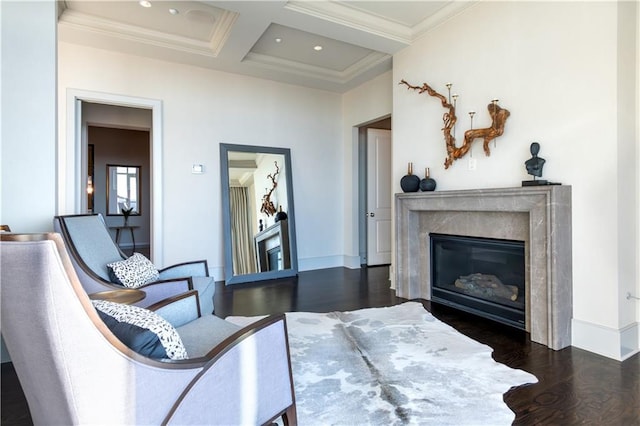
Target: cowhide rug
[(393, 366)]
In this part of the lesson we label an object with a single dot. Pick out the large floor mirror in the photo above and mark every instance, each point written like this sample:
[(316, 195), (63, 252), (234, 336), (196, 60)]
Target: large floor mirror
[(258, 214)]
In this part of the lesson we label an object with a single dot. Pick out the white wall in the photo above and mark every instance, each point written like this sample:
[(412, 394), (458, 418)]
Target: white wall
[(628, 198), (28, 115), (27, 147), (364, 104), (203, 108), (637, 138), (557, 73)]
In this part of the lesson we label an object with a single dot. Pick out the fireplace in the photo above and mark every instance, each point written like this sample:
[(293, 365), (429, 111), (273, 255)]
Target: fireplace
[(484, 276), (274, 259), (538, 216)]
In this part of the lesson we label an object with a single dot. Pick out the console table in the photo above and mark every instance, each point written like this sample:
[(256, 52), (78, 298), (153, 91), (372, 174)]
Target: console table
[(120, 228)]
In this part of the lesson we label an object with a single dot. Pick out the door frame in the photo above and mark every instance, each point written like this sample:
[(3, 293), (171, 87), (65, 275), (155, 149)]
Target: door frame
[(362, 186), (77, 155), (375, 257)]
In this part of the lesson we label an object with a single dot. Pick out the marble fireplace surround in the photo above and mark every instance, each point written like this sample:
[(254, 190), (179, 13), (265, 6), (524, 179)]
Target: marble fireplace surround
[(539, 216)]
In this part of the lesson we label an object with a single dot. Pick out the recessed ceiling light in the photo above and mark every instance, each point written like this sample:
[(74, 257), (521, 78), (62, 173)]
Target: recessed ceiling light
[(278, 40), (174, 11), (144, 3), (317, 48)]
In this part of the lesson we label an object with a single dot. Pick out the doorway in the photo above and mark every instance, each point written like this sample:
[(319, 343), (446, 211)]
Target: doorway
[(114, 153), (111, 109), (375, 192)]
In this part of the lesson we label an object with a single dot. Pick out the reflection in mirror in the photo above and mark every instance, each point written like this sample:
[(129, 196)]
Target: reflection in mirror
[(258, 219), (123, 189)]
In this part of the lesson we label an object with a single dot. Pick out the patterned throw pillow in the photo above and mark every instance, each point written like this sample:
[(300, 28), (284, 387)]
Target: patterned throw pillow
[(132, 326), (133, 272)]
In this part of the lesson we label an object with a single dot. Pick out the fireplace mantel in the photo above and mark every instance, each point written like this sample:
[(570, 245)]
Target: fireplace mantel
[(540, 216)]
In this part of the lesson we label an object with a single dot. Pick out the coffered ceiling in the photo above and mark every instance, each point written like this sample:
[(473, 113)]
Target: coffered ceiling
[(329, 45)]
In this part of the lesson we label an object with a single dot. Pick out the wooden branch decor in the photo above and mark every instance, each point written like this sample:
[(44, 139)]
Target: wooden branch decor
[(498, 118), (267, 205)]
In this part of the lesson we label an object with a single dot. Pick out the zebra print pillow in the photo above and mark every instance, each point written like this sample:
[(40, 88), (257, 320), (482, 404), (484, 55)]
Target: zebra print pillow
[(133, 272), (142, 320)]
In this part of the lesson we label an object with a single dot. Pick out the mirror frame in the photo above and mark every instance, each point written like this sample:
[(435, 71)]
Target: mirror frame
[(137, 211), (230, 278)]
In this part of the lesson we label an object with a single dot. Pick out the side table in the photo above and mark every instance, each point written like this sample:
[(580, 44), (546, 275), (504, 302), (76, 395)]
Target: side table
[(120, 228), (125, 296)]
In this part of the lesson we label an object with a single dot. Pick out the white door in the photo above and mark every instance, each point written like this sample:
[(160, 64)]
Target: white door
[(378, 197)]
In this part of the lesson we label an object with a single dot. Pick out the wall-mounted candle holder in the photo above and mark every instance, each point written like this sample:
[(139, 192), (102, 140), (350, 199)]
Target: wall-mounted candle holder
[(495, 103), (498, 119)]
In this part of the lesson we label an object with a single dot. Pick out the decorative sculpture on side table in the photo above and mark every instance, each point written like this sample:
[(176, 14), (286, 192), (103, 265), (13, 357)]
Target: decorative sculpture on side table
[(126, 212)]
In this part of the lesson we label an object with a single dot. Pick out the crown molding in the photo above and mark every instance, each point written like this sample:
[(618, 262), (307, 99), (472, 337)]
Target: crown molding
[(292, 67), (83, 22), (222, 31), (346, 16), (442, 15), (362, 21)]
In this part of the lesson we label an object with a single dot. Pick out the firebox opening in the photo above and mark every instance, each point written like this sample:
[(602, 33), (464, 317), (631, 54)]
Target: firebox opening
[(483, 276)]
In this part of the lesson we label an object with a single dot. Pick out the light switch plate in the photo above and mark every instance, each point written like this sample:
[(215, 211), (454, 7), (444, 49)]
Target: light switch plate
[(472, 163)]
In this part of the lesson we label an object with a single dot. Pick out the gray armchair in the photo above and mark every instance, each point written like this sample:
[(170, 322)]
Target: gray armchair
[(91, 248), (73, 370)]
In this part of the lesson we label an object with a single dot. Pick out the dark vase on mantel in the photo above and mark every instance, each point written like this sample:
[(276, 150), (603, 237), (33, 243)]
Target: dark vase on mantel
[(427, 184), (280, 215), (410, 182)]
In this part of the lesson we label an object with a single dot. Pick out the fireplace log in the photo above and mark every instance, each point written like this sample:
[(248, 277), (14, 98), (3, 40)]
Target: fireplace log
[(487, 286)]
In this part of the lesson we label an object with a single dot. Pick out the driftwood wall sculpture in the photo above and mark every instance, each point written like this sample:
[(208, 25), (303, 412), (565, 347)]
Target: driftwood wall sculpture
[(267, 205), (498, 118)]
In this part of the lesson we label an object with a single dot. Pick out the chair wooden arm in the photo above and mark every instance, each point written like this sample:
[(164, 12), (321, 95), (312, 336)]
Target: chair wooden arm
[(179, 309), (196, 268), (91, 248), (245, 376)]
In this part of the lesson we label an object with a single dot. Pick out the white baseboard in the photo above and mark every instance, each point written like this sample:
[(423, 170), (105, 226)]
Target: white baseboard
[(392, 277), (217, 273), (129, 246), (629, 341), (310, 264), (352, 262), (618, 344), (4, 354)]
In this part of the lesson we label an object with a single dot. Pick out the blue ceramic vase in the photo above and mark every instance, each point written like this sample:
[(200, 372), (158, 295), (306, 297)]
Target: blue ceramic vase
[(427, 184), (410, 182)]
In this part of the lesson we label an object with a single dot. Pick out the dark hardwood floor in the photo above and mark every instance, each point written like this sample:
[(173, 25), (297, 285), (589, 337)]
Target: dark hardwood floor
[(574, 386)]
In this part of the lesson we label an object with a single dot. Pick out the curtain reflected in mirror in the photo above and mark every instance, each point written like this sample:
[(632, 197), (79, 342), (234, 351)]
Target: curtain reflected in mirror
[(258, 218), (244, 253)]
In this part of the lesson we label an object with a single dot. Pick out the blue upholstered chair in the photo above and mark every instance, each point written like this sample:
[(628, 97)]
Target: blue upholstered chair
[(74, 370), (91, 248)]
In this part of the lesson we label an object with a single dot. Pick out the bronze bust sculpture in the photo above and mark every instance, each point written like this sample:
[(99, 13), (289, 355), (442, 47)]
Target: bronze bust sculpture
[(534, 164), (534, 167)]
